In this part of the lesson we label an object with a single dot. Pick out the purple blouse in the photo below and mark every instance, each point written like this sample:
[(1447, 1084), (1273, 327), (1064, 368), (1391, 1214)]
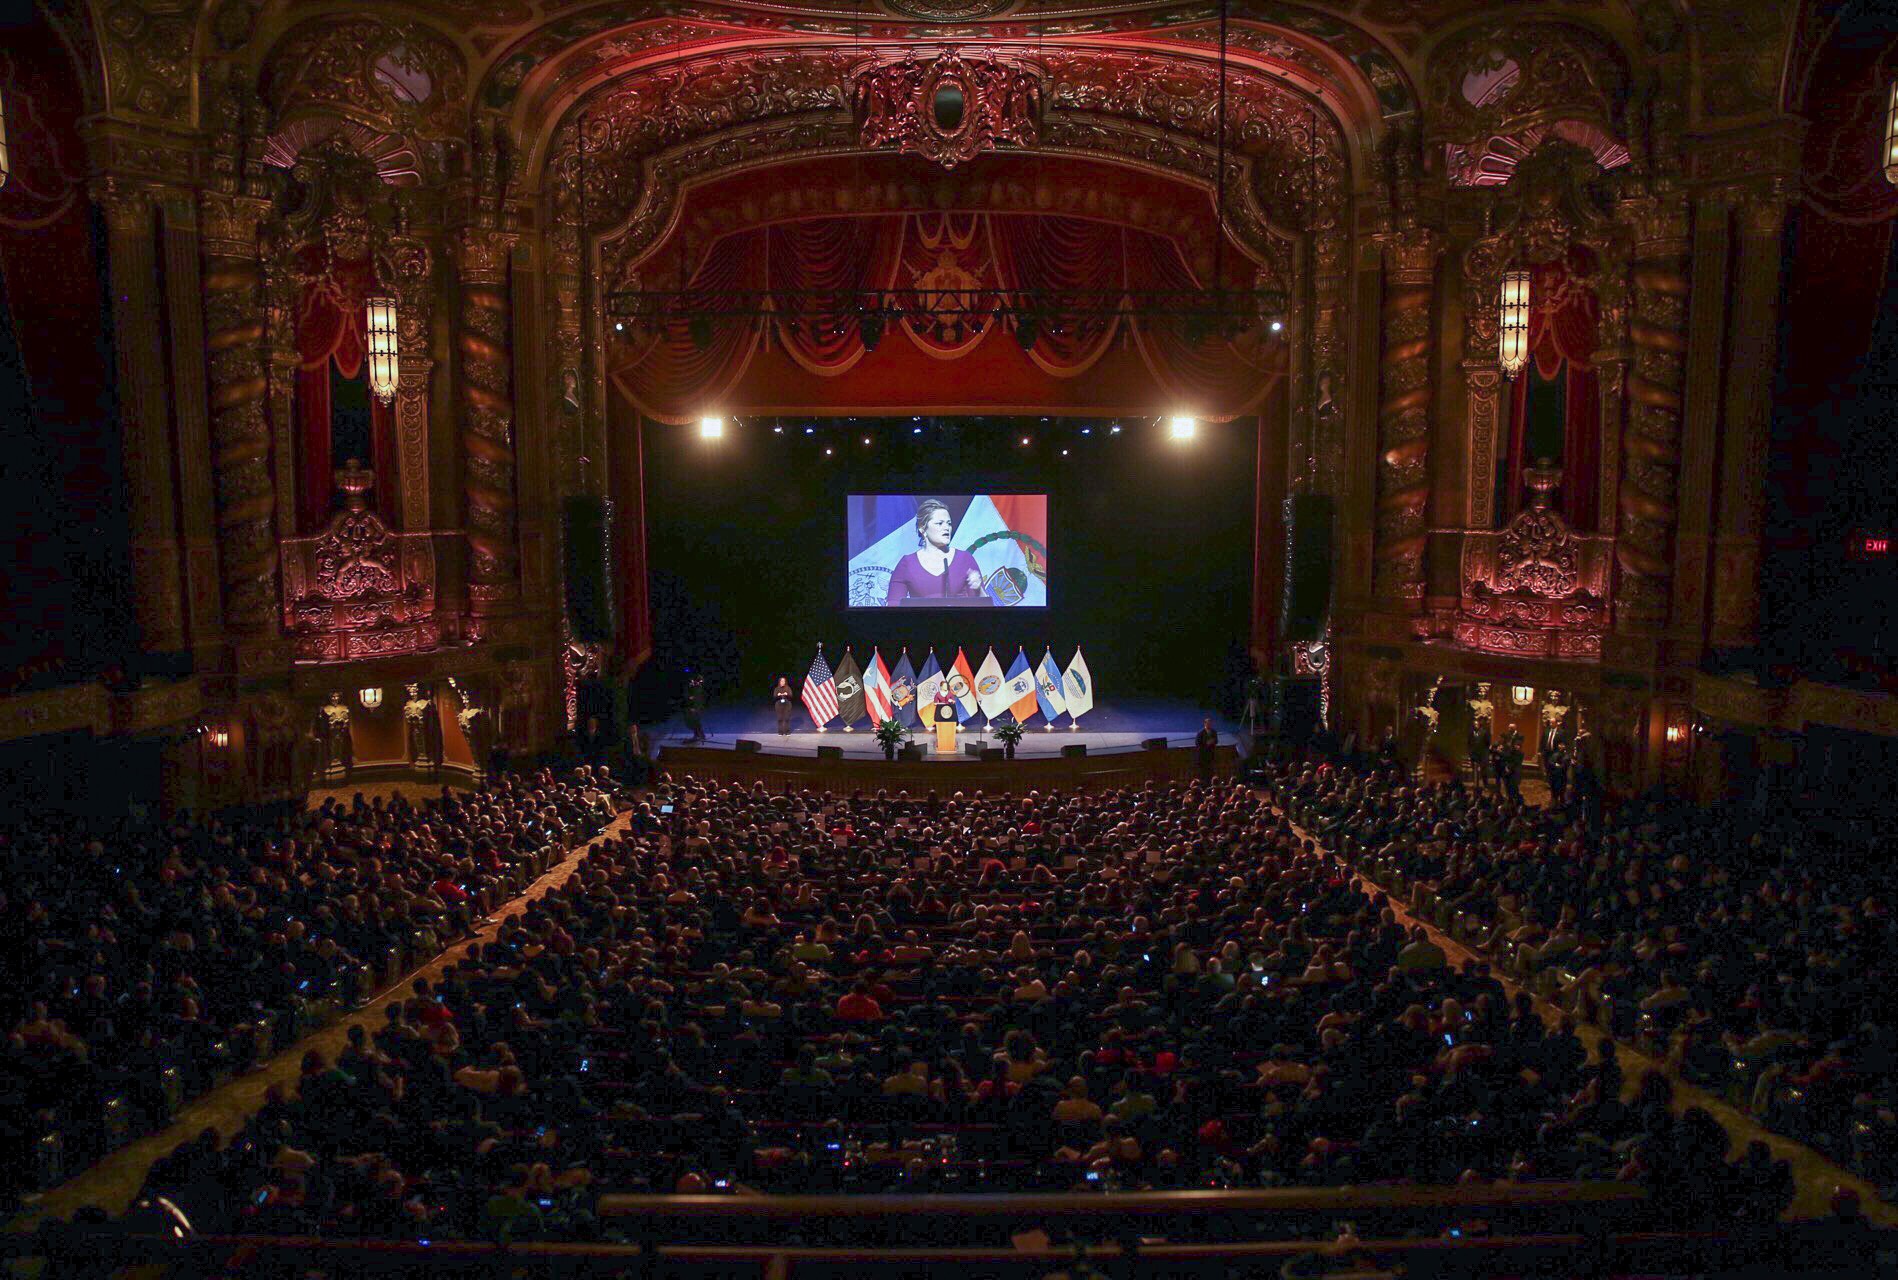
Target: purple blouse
[(911, 580)]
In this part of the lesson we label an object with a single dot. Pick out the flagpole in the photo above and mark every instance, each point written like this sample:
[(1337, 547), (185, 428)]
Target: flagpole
[(820, 653)]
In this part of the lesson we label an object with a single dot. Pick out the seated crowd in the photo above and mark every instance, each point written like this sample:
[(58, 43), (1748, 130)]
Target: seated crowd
[(145, 960), (1753, 956), (791, 992)]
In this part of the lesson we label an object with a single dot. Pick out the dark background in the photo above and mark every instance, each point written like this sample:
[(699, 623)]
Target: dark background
[(1150, 547)]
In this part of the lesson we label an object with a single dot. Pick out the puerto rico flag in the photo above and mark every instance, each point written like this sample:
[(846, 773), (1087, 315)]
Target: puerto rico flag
[(876, 689), (820, 691)]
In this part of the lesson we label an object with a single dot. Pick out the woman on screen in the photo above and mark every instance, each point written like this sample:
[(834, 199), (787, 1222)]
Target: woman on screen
[(933, 570)]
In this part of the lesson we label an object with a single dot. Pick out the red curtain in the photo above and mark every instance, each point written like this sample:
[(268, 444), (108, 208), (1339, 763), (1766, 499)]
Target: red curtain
[(330, 333), (973, 260), (1564, 314)]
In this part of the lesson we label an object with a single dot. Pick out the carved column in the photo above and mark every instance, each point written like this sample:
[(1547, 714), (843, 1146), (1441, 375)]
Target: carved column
[(204, 612), (157, 577), (1651, 440), (240, 431), (1753, 333), (487, 419), (413, 285), (1695, 479), (1403, 417), (280, 312)]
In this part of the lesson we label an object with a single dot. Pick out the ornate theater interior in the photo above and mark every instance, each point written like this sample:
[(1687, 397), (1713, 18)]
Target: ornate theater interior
[(449, 394)]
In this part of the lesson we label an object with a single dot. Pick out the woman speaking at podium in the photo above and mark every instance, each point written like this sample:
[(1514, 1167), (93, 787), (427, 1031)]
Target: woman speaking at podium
[(934, 569), (943, 716)]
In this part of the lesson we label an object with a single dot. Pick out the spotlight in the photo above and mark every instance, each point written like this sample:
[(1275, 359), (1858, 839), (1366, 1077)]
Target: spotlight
[(778, 430), (1182, 428), (1024, 441), (619, 326), (1114, 430), (1064, 453), (711, 428), (810, 431), (1027, 329), (828, 451), (1087, 431), (1278, 326), (870, 329), (916, 431), (866, 439)]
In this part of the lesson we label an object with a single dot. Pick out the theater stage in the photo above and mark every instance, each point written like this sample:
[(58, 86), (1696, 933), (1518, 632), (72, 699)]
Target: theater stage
[(1114, 734)]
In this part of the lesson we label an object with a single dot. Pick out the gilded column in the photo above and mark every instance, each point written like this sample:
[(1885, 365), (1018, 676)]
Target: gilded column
[(190, 414), (240, 431), (1743, 443), (1651, 439), (157, 569), (487, 419), (1403, 417), (414, 294)]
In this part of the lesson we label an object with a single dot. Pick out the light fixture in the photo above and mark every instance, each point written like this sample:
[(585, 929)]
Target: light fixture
[(711, 428), (383, 359), (370, 698), (1512, 321), (1024, 441), (1087, 431), (916, 431), (1676, 733), (6, 163), (1114, 430), (810, 431), (1891, 140), (220, 737), (828, 451), (1278, 326), (1182, 427), (778, 430), (619, 326), (1064, 453), (866, 439), (1521, 694)]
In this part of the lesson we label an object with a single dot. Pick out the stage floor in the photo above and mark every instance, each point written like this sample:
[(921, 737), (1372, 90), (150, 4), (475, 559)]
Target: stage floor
[(1107, 729)]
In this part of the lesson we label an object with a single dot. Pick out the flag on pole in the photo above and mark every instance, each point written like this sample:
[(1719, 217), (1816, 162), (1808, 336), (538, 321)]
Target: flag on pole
[(1021, 688), (1048, 687), (961, 678), (876, 690), (849, 690), (903, 691), (820, 691), (926, 685), (1078, 687), (991, 687)]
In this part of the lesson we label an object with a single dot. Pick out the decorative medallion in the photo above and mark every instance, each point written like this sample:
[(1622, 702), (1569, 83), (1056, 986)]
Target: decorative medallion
[(948, 111), (948, 10)]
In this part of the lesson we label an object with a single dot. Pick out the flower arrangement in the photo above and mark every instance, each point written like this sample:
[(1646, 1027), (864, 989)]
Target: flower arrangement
[(1009, 732), (891, 735)]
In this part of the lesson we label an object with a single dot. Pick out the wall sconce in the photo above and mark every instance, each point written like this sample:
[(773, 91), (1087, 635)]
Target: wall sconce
[(6, 161), (220, 737), (1676, 733), (1512, 322), (370, 698), (384, 363), (1891, 139), (1521, 694)]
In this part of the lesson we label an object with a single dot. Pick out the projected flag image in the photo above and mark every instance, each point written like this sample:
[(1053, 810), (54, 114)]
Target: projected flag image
[(948, 550)]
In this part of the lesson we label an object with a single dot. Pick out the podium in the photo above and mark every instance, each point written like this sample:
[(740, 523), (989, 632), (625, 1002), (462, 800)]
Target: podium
[(946, 727)]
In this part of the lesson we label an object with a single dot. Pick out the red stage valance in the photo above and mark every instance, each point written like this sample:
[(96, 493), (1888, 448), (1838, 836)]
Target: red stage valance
[(941, 361)]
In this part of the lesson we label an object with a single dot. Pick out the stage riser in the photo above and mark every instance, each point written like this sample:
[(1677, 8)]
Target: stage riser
[(1130, 769)]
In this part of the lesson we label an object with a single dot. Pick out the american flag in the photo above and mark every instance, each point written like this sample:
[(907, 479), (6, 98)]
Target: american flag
[(820, 692)]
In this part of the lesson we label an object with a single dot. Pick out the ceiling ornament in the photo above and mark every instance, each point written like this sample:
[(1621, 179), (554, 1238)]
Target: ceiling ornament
[(950, 110), (399, 78), (1553, 206), (947, 10), (1497, 80), (393, 156)]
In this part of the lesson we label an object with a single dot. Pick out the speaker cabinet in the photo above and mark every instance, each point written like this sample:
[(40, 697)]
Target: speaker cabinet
[(584, 533), (994, 753), (1154, 744), (1074, 750), (1306, 606), (748, 747), (830, 753), (910, 751)]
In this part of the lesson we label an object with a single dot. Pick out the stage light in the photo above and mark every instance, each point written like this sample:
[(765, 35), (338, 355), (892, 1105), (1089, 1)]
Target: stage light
[(379, 326), (1087, 431), (810, 431), (1114, 430), (1183, 428), (1512, 319), (619, 326), (370, 698), (711, 428), (916, 431), (870, 329), (866, 439), (828, 451), (1024, 441), (778, 430), (1064, 453), (1278, 326)]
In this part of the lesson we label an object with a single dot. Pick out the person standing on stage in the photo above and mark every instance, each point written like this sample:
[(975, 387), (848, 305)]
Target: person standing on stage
[(1204, 744), (781, 697), (934, 569), (695, 708)]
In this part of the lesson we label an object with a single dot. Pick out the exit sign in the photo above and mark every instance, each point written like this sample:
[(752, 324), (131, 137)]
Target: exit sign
[(1870, 546)]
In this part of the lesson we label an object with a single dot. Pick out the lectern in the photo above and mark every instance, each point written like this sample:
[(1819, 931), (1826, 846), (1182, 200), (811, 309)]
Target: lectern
[(945, 728)]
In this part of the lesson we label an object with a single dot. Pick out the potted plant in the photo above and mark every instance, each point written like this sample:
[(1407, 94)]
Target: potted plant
[(891, 734), (1010, 732)]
